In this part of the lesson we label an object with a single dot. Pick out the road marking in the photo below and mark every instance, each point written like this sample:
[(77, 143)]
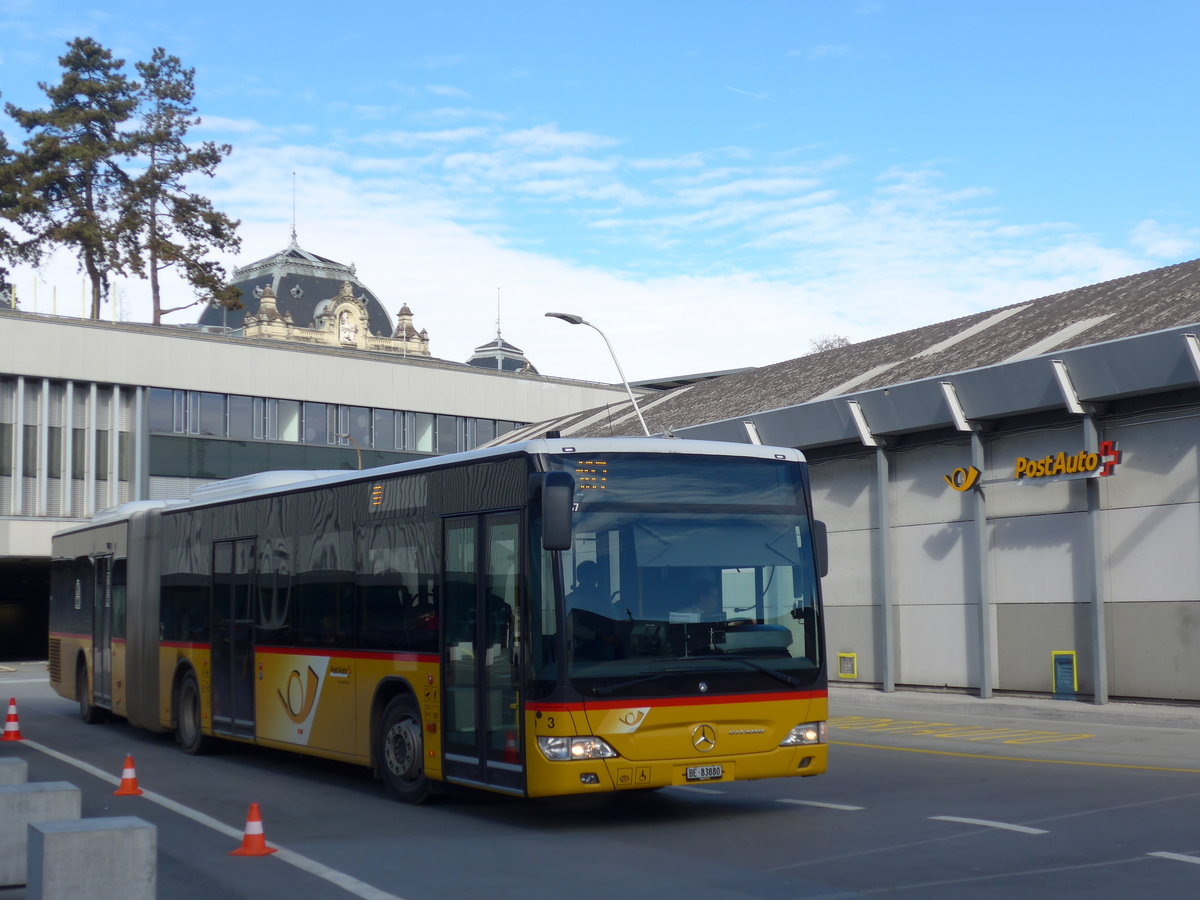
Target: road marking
[(348, 883), (23, 680), (1022, 759), (916, 727), (1178, 857), (697, 790), (988, 823), (821, 805)]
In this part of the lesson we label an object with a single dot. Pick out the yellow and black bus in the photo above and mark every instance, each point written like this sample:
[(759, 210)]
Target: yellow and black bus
[(545, 618)]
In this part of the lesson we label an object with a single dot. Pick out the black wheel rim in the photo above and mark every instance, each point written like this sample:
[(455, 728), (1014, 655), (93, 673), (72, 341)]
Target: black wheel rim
[(402, 750)]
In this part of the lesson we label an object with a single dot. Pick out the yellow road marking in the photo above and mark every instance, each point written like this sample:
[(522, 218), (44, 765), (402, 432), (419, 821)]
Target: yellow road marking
[(885, 725), (1054, 762)]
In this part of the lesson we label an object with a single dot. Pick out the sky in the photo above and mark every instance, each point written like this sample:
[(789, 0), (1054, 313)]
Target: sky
[(713, 184)]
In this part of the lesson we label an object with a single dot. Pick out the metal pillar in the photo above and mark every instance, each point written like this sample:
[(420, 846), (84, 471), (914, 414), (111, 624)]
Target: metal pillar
[(983, 586), (1091, 444), (883, 565)]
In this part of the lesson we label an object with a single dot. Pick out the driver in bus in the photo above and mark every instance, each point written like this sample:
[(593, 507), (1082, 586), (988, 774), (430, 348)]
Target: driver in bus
[(587, 593)]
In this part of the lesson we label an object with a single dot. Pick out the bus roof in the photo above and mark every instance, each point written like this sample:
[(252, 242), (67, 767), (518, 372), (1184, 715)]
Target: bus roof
[(276, 482)]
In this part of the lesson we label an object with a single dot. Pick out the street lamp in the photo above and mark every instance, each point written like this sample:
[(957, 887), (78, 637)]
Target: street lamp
[(579, 320)]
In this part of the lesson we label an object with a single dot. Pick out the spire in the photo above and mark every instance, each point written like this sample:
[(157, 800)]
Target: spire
[(497, 314), (295, 242)]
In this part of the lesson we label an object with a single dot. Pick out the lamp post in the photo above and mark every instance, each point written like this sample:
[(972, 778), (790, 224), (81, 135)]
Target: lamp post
[(579, 320), (357, 447)]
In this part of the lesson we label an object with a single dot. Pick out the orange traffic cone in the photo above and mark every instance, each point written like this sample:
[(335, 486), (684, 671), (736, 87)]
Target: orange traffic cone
[(12, 728), (253, 841), (129, 786), (510, 749)]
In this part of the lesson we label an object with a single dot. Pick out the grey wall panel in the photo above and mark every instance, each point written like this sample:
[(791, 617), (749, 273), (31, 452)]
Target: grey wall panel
[(1160, 462), (1149, 362), (843, 492), (930, 564), (1153, 553), (915, 406), (1155, 650), (851, 580), (1007, 497), (1008, 389), (920, 494), (1026, 636), (1040, 559), (854, 629), (938, 646)]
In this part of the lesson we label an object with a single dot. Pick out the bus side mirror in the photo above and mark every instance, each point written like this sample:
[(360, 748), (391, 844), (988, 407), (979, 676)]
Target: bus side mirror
[(558, 498), (821, 546)]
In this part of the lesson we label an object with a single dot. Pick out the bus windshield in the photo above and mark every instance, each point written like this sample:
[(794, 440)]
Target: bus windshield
[(681, 568)]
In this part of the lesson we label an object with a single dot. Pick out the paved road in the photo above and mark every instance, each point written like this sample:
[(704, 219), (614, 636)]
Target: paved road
[(937, 796)]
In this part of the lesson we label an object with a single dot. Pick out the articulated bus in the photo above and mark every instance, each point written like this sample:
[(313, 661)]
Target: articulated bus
[(546, 618)]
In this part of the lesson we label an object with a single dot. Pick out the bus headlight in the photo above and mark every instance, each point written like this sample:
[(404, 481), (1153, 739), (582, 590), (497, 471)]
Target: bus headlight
[(808, 733), (566, 748)]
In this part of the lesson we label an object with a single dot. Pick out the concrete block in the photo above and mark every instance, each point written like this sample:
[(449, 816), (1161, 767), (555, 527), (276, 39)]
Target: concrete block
[(13, 770), (93, 859), (20, 806)]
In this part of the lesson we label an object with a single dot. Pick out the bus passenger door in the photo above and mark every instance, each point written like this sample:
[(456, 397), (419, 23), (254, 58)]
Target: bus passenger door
[(480, 632), (102, 633), (233, 639)]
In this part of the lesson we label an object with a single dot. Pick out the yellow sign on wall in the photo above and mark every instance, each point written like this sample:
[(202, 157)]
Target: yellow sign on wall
[(1081, 464)]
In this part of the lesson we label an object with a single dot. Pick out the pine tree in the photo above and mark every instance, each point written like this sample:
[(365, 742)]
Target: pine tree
[(70, 186), (9, 243), (175, 226)]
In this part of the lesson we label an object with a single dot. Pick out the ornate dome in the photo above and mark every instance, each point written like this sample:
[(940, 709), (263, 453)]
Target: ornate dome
[(300, 281)]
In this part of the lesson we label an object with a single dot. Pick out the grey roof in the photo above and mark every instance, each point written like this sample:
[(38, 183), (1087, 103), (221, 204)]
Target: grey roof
[(301, 281), (500, 354), (1002, 357)]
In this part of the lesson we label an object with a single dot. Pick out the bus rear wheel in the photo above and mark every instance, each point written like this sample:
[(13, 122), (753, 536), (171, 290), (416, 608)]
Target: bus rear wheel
[(188, 729), (400, 751), (89, 713)]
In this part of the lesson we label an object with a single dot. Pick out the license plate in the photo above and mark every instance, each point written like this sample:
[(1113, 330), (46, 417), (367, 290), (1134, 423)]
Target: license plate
[(704, 773)]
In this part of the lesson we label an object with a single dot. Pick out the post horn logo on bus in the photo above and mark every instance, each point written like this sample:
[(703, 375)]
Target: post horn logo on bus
[(300, 697), (1081, 465)]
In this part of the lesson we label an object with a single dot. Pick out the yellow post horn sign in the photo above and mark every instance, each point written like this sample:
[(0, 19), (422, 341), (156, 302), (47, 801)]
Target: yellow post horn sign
[(963, 479)]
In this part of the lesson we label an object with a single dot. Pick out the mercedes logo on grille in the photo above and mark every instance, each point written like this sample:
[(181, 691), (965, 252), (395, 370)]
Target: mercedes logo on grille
[(704, 738)]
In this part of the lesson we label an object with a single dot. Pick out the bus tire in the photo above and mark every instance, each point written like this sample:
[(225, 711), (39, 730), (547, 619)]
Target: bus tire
[(188, 728), (400, 751), (89, 713)]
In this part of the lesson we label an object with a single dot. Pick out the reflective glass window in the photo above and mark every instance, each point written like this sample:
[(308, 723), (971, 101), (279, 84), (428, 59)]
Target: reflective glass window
[(419, 432), (241, 417), (316, 423)]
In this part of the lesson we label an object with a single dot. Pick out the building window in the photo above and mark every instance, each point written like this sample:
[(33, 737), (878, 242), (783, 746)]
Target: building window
[(241, 417), (418, 431), (206, 413), (287, 420), (316, 423), (448, 434), (383, 427)]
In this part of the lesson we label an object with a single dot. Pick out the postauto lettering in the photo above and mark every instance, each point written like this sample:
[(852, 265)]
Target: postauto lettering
[(1081, 463)]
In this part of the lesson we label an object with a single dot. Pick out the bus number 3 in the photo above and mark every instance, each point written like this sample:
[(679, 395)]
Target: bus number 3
[(550, 722)]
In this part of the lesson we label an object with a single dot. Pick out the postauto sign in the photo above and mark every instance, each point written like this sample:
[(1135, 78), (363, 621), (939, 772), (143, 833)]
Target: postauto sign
[(1052, 466), (1063, 465)]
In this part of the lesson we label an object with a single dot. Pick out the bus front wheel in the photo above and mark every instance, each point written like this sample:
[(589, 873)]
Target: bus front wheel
[(188, 728), (89, 713), (400, 751)]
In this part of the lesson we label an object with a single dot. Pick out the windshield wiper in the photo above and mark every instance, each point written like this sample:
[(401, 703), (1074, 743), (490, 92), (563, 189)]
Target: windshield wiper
[(606, 689), (766, 670)]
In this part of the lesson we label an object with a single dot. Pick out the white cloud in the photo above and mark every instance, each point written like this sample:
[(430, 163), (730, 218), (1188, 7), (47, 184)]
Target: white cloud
[(548, 139), (1164, 241)]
